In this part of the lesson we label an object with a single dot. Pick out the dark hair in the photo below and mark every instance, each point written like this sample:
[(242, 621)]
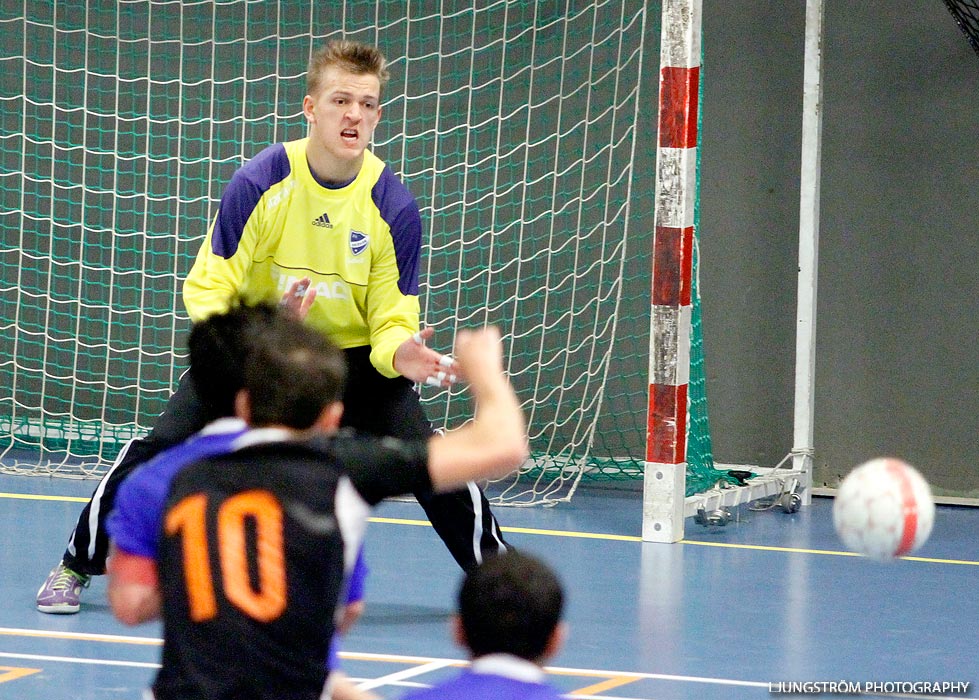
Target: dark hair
[(292, 373), (510, 604), (219, 346), (351, 56)]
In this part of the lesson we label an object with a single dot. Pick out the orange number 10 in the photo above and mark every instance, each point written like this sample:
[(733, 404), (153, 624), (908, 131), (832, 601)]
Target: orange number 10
[(188, 518)]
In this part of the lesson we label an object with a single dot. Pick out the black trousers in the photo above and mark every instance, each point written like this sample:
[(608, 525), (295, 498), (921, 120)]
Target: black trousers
[(373, 404)]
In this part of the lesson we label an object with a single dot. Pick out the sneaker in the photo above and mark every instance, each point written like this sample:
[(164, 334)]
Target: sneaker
[(61, 591)]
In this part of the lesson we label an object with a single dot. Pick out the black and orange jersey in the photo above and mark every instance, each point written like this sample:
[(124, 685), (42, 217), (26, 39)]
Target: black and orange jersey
[(252, 552)]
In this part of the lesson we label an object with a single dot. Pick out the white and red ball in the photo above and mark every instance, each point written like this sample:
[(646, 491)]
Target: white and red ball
[(884, 509)]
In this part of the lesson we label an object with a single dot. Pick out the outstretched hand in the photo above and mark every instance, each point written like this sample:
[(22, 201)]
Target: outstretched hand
[(298, 297), (419, 363)]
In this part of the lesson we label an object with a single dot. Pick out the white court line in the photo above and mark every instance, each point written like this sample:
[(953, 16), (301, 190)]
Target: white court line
[(77, 660), (392, 678), (560, 670), (396, 679), (426, 663)]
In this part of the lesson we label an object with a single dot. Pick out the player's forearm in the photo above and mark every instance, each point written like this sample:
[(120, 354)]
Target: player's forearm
[(200, 304), (391, 320), (209, 288), (384, 349), (215, 280), (491, 446)]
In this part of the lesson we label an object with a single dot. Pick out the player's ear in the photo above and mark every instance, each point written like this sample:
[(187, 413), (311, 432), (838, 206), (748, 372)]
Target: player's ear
[(556, 640), (329, 420), (308, 109), (459, 632), (243, 405)]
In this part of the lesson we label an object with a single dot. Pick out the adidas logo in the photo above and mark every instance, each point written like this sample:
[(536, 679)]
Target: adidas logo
[(322, 220)]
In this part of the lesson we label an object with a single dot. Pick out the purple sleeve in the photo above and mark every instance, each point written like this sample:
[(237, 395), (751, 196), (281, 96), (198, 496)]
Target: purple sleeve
[(399, 210), (134, 520), (134, 524), (247, 187), (333, 656)]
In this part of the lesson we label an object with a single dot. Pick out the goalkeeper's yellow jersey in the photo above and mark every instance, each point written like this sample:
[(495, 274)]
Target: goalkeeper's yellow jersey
[(359, 244)]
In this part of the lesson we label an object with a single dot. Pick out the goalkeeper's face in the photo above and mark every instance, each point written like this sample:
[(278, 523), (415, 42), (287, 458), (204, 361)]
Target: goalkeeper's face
[(342, 118)]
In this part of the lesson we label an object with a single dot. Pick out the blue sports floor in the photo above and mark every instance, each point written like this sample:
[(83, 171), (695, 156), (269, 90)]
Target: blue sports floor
[(727, 614)]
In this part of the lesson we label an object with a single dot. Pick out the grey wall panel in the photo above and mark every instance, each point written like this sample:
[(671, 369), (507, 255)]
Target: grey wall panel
[(897, 359)]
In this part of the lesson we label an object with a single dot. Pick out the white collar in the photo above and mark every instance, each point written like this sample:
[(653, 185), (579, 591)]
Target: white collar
[(509, 666), (223, 425), (259, 436)]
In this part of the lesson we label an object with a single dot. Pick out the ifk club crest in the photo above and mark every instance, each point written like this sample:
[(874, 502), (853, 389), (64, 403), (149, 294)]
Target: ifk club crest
[(358, 242)]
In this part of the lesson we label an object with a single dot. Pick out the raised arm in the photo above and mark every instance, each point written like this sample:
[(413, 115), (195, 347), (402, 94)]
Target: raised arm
[(495, 442)]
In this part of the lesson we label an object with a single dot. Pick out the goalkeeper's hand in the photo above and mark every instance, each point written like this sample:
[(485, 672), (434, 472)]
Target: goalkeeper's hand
[(419, 363), (298, 297)]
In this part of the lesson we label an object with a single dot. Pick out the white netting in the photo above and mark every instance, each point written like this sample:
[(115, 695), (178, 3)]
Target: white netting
[(513, 123)]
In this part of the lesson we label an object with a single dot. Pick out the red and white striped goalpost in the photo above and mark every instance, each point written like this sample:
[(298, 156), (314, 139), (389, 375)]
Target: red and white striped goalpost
[(669, 340), (664, 485)]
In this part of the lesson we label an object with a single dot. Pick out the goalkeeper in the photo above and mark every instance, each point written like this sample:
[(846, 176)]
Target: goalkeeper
[(323, 209)]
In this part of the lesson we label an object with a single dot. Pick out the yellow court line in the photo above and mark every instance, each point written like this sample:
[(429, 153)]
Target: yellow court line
[(597, 688), (584, 535), (768, 548), (400, 521), (831, 552), (567, 533), (521, 530), (10, 673), (398, 658), (931, 560), (81, 636), (39, 497), (632, 538)]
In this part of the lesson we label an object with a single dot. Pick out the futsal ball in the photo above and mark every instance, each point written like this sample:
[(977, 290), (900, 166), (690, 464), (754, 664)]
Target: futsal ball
[(883, 509)]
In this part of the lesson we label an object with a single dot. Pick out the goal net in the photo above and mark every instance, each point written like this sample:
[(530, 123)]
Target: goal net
[(966, 14), (518, 126)]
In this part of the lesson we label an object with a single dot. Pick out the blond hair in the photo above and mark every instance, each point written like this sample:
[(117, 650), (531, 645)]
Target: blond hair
[(351, 56)]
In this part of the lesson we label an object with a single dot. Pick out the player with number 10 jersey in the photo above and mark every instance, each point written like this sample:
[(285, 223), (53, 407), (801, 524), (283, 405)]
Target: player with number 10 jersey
[(253, 545)]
